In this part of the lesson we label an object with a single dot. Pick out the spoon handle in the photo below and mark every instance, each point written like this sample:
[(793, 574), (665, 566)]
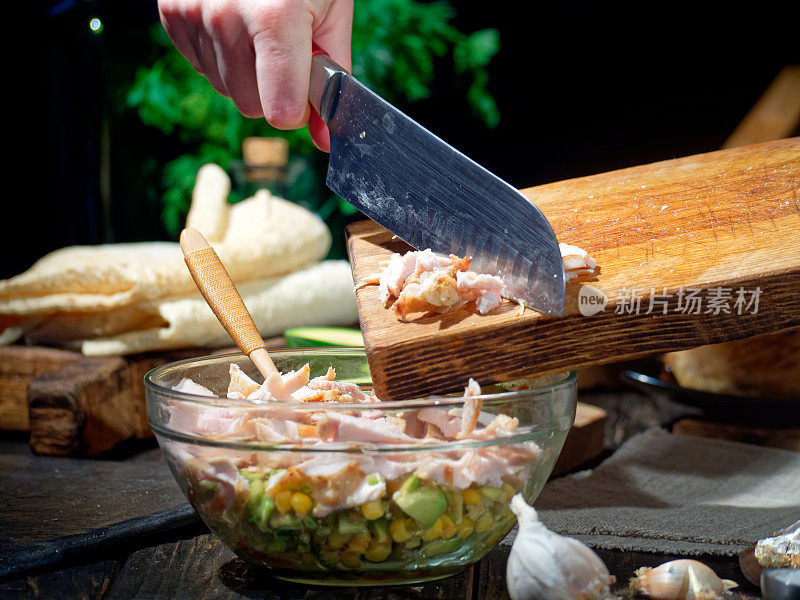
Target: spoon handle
[(222, 296)]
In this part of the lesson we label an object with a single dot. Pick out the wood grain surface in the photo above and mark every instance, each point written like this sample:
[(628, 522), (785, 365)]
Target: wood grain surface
[(776, 115), (55, 509), (719, 223), (584, 440), (200, 567), (90, 405), (18, 365), (203, 568), (81, 406)]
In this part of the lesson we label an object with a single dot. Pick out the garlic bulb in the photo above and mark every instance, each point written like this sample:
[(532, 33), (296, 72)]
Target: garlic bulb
[(546, 566), (780, 550), (683, 579)]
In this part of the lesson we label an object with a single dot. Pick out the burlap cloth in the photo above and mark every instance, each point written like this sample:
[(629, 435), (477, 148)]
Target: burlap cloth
[(677, 495)]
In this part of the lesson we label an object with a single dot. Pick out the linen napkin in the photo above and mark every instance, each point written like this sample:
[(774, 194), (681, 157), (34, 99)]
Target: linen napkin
[(677, 494)]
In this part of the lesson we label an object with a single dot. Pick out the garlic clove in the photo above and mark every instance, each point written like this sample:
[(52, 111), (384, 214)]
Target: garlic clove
[(748, 564), (683, 579), (546, 566)]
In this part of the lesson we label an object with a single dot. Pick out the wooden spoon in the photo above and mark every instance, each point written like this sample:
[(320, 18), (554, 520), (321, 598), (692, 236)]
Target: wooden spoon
[(218, 290)]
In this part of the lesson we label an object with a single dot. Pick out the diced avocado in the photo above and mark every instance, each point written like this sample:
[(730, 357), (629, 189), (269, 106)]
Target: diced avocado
[(284, 521), (455, 505), (493, 494), (412, 483), (262, 510), (437, 547), (423, 503), (302, 337), (206, 489), (259, 506), (323, 531), (252, 474), (276, 545), (380, 531), (348, 526), (255, 492)]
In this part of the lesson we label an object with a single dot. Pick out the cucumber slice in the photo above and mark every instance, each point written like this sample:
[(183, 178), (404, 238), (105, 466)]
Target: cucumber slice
[(304, 337)]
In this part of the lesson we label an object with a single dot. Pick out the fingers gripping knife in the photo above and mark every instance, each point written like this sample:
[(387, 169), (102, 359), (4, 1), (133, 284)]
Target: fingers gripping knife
[(431, 195)]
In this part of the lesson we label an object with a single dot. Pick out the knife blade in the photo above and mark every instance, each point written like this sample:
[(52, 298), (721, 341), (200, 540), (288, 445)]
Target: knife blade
[(431, 195)]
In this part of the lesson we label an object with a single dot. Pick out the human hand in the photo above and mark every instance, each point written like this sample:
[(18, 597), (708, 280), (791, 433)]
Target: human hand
[(258, 52)]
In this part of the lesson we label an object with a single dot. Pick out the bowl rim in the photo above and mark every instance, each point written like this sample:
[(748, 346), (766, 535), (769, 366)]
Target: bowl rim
[(569, 380), (160, 394)]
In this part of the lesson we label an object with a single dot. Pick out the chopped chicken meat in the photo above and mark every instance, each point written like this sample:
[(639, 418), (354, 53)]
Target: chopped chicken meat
[(577, 261), (315, 418), (423, 281)]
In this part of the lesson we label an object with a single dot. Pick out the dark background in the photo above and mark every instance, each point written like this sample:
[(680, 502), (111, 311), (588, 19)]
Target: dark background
[(583, 87)]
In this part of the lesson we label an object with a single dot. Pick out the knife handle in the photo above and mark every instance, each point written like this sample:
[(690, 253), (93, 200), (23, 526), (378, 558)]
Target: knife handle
[(323, 87)]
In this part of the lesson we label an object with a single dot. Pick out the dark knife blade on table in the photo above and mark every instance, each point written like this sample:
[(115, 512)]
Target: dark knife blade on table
[(431, 195)]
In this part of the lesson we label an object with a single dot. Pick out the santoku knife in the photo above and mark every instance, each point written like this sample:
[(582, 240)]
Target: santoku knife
[(431, 195)]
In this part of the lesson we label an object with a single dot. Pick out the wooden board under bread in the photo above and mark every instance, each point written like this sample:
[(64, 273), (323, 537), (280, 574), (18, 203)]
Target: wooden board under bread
[(80, 406), (585, 439), (728, 219), (18, 365)]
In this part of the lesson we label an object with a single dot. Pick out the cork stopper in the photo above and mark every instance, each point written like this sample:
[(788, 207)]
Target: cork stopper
[(265, 158)]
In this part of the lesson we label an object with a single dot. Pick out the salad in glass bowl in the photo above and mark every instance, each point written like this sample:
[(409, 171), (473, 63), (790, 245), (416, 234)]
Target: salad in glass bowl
[(312, 476)]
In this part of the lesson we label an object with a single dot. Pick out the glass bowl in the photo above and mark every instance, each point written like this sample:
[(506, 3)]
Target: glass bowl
[(342, 512)]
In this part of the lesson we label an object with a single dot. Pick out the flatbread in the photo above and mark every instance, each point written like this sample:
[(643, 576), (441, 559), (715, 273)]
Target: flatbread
[(320, 294), (207, 214), (264, 236)]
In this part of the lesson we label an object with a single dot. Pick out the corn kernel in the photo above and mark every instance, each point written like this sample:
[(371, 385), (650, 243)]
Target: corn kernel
[(301, 503), (359, 542), (378, 552), (398, 531), (484, 523), (283, 501), (471, 496), (433, 532), (449, 528), (372, 510), (337, 540), (466, 527), (350, 560)]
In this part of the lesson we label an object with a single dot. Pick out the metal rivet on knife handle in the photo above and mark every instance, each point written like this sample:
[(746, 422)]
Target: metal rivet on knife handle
[(323, 85), (222, 296)]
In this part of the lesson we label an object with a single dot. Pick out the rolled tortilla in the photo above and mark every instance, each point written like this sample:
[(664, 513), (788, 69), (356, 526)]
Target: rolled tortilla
[(321, 294), (265, 236)]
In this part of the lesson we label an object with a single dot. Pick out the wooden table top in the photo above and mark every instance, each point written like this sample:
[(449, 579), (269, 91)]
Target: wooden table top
[(201, 567), (191, 563)]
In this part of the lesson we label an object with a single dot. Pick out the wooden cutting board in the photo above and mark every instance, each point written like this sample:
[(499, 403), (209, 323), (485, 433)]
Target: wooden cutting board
[(720, 223)]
